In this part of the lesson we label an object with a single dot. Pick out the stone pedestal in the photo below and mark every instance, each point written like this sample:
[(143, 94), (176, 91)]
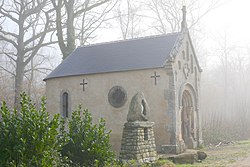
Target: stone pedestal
[(138, 142)]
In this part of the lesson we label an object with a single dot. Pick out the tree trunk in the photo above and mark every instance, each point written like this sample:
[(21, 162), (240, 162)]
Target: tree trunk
[(18, 82), (70, 28), (31, 78), (19, 62)]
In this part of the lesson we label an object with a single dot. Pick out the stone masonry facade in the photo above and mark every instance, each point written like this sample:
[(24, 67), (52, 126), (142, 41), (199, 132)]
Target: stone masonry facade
[(171, 86)]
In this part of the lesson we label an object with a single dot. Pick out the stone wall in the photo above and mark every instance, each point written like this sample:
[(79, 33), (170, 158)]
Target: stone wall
[(95, 98)]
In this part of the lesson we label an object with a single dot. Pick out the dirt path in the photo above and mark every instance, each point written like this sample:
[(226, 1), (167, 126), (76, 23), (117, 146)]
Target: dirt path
[(232, 155), (242, 163)]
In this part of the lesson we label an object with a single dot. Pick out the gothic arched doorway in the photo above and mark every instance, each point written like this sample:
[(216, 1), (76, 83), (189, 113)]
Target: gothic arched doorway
[(188, 120)]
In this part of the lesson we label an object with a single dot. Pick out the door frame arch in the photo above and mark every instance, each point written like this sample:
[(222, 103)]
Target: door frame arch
[(189, 116)]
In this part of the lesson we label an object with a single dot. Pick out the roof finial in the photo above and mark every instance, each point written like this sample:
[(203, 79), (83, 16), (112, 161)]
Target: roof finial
[(184, 20)]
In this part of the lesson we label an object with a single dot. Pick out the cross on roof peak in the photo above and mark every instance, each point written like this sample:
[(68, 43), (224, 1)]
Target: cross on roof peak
[(184, 18)]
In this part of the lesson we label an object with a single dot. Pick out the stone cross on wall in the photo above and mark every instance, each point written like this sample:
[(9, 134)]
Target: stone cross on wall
[(83, 84), (155, 77)]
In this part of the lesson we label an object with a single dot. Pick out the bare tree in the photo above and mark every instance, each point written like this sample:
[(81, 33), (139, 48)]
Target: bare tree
[(225, 91), (19, 18), (167, 15), (129, 18), (80, 18)]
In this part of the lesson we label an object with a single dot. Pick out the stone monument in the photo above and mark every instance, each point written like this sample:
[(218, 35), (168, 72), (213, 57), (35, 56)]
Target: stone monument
[(138, 140)]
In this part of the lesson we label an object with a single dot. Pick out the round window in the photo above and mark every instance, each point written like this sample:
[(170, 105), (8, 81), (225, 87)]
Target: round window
[(117, 96)]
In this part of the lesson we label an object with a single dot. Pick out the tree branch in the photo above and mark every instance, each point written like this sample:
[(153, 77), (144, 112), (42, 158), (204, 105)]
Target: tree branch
[(9, 33), (77, 13), (9, 56), (6, 13), (38, 46), (7, 71), (3, 38)]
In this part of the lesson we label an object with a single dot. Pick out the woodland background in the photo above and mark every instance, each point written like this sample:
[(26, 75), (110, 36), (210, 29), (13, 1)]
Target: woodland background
[(35, 35)]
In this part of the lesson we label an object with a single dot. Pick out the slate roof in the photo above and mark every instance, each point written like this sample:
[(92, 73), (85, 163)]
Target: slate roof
[(135, 54)]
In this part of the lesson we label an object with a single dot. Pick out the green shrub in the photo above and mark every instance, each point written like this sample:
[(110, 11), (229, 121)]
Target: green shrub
[(28, 137), (87, 144)]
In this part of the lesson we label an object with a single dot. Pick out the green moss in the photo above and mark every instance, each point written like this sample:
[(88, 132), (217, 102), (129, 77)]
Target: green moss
[(163, 162), (184, 165)]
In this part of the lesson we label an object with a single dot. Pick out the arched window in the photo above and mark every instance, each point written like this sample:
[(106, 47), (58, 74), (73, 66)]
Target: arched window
[(65, 105)]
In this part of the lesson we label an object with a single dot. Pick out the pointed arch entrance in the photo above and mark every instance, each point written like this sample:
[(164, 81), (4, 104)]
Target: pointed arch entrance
[(189, 122)]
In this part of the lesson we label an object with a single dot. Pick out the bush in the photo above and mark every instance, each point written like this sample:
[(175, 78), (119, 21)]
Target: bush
[(87, 144), (28, 137)]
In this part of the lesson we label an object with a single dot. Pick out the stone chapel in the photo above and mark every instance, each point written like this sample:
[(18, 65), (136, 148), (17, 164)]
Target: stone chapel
[(104, 77)]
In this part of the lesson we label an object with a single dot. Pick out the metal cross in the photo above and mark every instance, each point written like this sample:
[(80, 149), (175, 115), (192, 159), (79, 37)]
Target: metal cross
[(155, 76), (83, 83)]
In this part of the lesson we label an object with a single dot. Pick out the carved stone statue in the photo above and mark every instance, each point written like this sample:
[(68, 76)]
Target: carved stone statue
[(138, 108)]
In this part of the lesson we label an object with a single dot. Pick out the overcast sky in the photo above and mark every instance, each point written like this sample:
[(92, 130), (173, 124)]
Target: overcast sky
[(232, 18)]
